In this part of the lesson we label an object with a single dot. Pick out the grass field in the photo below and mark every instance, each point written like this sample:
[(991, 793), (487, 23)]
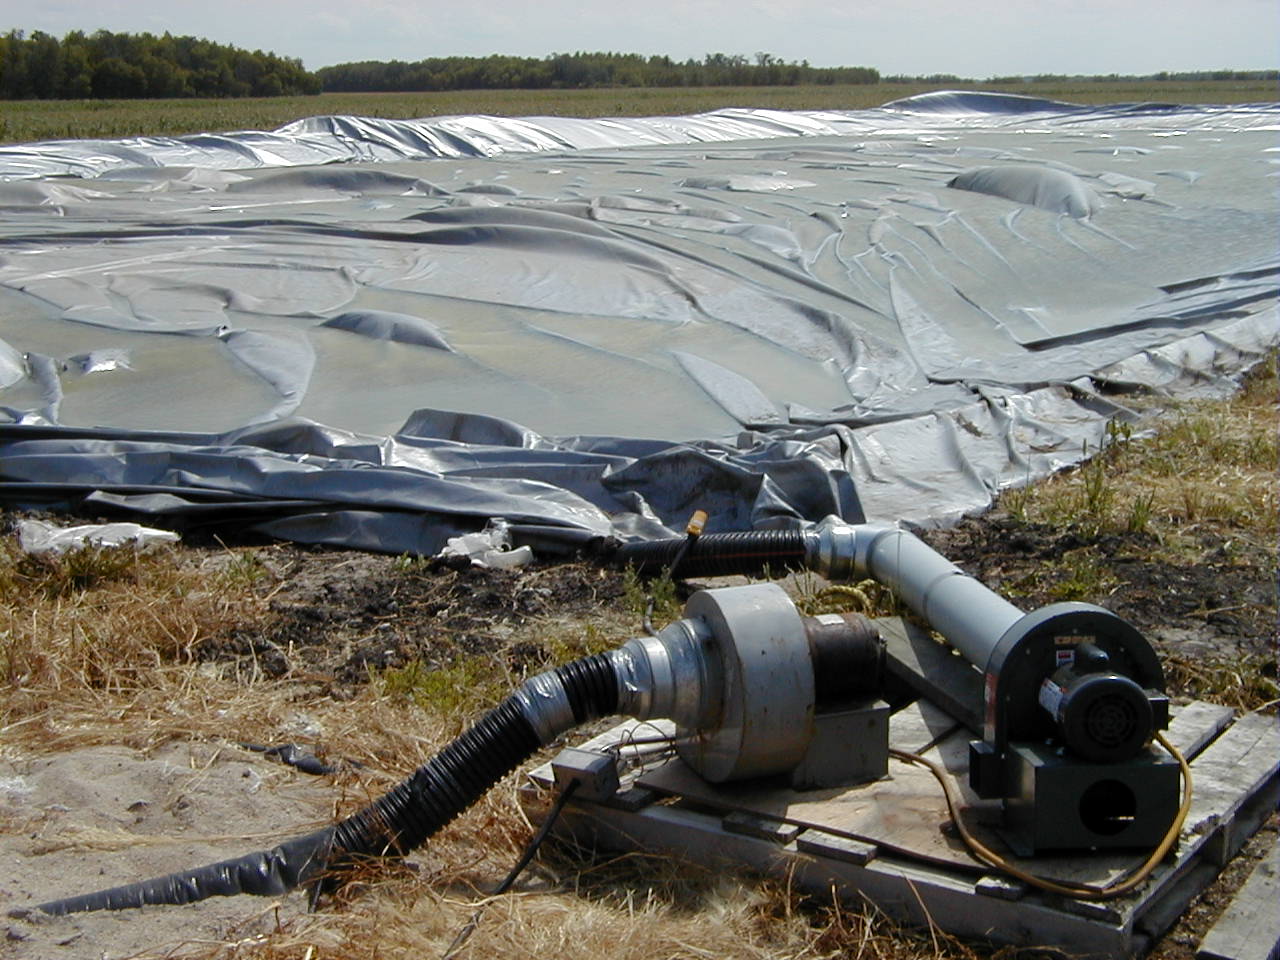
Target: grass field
[(28, 120)]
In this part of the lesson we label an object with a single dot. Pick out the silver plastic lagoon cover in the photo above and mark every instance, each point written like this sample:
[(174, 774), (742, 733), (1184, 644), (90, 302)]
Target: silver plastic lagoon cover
[(379, 333)]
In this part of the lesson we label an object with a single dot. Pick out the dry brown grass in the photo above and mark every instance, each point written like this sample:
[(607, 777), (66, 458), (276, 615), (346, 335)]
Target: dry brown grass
[(100, 640), (1204, 466), (633, 908), (729, 919), (101, 648)]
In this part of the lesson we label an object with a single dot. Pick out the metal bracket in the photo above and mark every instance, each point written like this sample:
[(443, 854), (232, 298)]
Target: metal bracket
[(596, 773)]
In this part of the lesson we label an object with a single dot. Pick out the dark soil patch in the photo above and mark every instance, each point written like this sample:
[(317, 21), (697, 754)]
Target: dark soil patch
[(1221, 607), (338, 616)]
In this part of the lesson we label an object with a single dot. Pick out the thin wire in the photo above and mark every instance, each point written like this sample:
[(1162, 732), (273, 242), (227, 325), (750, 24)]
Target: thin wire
[(1078, 891), (692, 530), (617, 748), (465, 933), (648, 616)]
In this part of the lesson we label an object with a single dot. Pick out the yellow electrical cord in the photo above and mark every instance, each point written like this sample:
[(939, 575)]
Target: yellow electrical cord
[(1078, 891)]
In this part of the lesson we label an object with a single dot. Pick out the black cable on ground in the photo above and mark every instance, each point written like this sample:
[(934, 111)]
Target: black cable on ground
[(716, 554), (293, 755), (525, 858), (393, 825)]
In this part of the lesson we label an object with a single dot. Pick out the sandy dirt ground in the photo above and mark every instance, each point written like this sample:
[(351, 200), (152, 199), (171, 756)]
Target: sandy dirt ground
[(92, 818)]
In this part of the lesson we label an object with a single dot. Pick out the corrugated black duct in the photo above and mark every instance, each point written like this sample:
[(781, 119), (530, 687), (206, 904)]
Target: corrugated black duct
[(717, 554), (393, 825)]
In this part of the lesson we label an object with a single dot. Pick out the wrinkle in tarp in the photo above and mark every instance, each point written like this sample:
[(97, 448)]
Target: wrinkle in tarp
[(383, 333)]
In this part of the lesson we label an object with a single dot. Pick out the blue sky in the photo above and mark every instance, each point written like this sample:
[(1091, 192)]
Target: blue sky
[(979, 38)]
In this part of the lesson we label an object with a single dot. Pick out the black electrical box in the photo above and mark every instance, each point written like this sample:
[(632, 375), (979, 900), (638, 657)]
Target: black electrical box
[(1063, 803)]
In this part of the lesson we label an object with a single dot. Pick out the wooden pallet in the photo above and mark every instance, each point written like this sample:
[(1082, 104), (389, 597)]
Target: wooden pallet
[(890, 842), (1249, 929)]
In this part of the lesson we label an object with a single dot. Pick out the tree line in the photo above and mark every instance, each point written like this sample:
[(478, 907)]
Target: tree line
[(105, 65), (576, 70), (1164, 76)]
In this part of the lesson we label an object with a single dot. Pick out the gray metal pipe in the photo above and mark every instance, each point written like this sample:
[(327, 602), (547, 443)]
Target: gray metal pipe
[(968, 614)]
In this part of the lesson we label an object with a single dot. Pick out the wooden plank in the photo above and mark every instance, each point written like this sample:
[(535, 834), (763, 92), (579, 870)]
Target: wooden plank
[(632, 798), (749, 825), (913, 894), (1250, 927), (1160, 907), (1105, 911), (933, 670), (1244, 821), (919, 725), (1001, 887), (905, 812), (1194, 726), (836, 847), (1227, 774)]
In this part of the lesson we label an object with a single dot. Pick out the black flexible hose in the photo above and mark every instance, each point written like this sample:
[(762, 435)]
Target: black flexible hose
[(404, 818), (717, 554)]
